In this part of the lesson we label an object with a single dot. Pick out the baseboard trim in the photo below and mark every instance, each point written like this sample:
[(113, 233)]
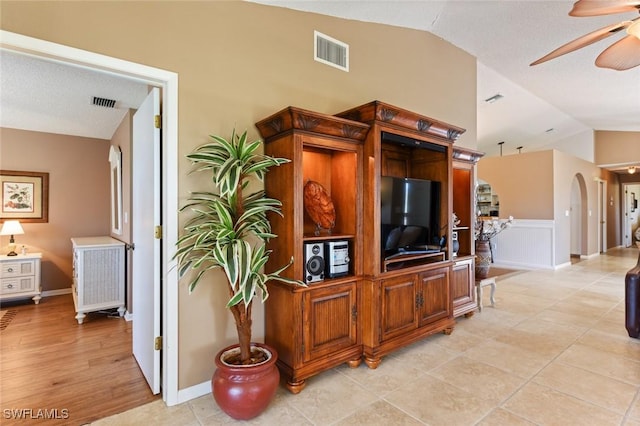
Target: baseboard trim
[(56, 292), (562, 265), (519, 265), (194, 392)]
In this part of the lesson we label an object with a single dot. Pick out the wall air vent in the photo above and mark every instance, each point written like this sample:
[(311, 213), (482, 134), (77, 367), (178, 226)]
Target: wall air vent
[(103, 102), (330, 51)]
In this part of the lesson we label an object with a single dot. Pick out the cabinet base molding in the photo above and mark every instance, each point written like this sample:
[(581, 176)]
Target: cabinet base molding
[(373, 355)]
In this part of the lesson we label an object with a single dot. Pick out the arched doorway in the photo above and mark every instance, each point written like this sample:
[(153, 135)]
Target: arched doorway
[(578, 218)]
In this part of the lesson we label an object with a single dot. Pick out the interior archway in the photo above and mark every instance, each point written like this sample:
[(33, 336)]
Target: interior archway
[(578, 217)]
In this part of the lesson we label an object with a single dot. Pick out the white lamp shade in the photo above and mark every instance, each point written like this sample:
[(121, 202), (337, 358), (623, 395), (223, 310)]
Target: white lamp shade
[(11, 227)]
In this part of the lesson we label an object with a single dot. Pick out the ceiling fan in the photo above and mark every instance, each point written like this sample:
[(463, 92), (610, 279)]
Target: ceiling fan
[(621, 55)]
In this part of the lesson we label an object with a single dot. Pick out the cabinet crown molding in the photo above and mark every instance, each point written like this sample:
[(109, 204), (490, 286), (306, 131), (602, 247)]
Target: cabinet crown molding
[(293, 118), (382, 112)]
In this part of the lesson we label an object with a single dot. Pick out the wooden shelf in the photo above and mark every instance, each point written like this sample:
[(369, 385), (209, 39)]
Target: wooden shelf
[(413, 259), (328, 237)]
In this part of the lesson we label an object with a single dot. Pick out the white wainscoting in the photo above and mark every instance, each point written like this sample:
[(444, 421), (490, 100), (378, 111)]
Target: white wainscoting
[(528, 244)]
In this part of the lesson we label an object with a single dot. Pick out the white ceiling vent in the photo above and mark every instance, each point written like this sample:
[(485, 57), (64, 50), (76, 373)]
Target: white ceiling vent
[(103, 102), (330, 51)]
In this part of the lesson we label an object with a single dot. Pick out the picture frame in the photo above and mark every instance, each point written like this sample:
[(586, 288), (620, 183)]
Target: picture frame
[(25, 196)]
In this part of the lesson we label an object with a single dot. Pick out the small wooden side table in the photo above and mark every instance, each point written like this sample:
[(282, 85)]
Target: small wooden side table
[(483, 283)]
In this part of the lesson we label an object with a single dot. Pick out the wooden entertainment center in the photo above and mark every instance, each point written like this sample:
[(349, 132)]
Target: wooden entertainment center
[(381, 304)]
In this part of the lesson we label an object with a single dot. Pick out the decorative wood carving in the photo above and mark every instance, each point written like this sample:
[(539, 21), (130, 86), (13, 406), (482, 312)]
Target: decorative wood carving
[(423, 125), (276, 124), (387, 114), (293, 118), (379, 111), (307, 122), (467, 154)]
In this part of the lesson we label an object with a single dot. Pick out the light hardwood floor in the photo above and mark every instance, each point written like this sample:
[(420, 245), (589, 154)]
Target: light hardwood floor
[(78, 373)]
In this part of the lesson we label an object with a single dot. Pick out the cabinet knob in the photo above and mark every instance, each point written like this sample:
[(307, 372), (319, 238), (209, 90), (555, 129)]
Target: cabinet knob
[(10, 286), (9, 269)]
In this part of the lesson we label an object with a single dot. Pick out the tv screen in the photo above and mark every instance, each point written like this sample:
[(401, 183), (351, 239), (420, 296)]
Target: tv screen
[(410, 215)]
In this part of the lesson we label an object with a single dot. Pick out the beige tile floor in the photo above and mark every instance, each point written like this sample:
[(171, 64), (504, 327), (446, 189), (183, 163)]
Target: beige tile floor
[(553, 351)]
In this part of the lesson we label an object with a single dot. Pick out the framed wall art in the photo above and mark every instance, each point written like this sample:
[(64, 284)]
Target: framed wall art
[(25, 196)]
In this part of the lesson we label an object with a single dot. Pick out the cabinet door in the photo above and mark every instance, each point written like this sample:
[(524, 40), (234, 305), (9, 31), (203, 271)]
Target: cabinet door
[(433, 295), (330, 320), (399, 306), (462, 284)]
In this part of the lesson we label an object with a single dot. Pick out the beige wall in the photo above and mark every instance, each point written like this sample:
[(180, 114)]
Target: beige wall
[(537, 185), (122, 139), (614, 208), (616, 147), (240, 62), (78, 194), (523, 183), (566, 168)]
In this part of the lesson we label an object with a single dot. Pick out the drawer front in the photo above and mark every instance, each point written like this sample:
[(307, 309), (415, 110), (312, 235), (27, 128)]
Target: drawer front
[(17, 269), (18, 285)]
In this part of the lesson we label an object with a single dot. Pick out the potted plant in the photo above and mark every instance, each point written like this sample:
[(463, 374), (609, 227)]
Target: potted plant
[(229, 230)]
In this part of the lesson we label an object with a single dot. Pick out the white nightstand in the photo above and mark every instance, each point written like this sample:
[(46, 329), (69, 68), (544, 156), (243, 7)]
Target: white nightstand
[(20, 276)]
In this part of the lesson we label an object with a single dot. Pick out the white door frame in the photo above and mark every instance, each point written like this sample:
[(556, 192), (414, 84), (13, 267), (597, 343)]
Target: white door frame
[(168, 81), (602, 215)]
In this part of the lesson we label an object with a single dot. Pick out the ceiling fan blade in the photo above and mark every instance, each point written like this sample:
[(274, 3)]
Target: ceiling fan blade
[(622, 55), (603, 7), (583, 41)]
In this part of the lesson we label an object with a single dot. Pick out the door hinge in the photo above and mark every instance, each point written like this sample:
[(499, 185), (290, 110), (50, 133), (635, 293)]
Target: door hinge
[(158, 343), (157, 121), (157, 232)]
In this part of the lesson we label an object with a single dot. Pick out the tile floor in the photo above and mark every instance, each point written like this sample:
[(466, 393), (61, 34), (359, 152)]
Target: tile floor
[(553, 351)]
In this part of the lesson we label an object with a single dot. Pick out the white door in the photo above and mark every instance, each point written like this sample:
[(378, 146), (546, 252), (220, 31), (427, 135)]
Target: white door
[(146, 263)]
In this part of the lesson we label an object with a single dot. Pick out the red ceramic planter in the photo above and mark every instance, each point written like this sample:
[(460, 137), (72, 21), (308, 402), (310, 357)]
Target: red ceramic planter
[(245, 391)]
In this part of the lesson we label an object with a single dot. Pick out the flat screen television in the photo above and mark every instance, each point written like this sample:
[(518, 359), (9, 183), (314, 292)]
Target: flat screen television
[(409, 216)]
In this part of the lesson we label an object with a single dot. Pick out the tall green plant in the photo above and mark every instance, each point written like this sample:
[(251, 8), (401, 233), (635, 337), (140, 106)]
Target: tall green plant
[(229, 229)]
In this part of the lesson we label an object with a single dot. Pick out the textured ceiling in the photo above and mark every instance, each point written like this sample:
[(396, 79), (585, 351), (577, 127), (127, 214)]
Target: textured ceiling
[(45, 96), (568, 94)]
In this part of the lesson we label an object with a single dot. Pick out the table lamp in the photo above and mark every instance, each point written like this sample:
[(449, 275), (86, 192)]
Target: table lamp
[(11, 227)]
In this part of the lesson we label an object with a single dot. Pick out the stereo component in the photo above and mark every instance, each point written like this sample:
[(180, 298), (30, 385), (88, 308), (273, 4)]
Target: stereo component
[(337, 258), (455, 244), (314, 262)]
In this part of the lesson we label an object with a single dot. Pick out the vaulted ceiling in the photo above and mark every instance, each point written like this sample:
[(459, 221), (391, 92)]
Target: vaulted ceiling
[(540, 106)]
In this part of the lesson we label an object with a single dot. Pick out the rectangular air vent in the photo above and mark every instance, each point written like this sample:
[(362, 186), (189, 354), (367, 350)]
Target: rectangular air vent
[(104, 102), (330, 51)]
